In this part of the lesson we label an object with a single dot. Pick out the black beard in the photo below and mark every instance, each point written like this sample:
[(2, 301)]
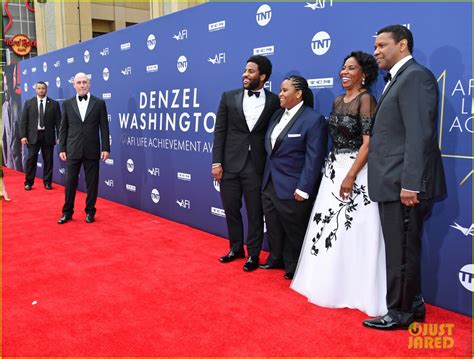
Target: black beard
[(252, 85)]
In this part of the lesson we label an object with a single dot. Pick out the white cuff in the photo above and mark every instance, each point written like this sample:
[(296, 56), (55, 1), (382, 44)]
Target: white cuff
[(302, 194)]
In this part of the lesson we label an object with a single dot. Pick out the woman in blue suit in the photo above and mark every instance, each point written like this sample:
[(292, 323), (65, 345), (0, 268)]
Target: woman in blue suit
[(295, 143)]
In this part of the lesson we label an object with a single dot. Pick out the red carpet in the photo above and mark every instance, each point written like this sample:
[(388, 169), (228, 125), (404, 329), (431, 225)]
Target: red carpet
[(133, 284)]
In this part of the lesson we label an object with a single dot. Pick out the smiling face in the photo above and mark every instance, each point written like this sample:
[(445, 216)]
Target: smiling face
[(252, 79), (289, 95), (388, 52), (351, 74), (81, 84)]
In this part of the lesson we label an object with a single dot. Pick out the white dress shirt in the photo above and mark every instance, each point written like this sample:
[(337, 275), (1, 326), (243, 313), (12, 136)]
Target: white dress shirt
[(393, 71), (253, 107), (44, 110), (83, 105)]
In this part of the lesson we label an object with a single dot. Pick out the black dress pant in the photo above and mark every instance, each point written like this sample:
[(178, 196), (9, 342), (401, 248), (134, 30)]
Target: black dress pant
[(32, 160), (287, 221), (402, 229), (248, 182), (91, 170)]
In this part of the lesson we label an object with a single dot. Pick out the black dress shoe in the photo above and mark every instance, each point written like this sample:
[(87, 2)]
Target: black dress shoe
[(90, 218), (270, 266), (28, 187), (419, 310), (289, 275), (251, 264), (229, 257), (48, 186), (64, 219), (385, 322)]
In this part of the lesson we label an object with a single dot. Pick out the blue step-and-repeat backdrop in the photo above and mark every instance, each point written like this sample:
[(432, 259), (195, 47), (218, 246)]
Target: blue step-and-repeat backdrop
[(162, 82)]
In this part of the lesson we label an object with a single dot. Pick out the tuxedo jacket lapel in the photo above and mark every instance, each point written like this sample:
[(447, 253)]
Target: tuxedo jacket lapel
[(283, 133), (76, 108), (239, 100), (92, 102)]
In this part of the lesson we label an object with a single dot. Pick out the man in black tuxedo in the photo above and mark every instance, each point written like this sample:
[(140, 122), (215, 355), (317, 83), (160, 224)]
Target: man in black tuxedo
[(405, 171), (83, 117), (39, 126), (238, 157)]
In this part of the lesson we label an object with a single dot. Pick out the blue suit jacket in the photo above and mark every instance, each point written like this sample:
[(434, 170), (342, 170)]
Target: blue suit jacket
[(298, 156)]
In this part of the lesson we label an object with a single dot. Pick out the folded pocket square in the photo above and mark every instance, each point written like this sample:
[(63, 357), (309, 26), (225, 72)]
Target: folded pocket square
[(294, 135)]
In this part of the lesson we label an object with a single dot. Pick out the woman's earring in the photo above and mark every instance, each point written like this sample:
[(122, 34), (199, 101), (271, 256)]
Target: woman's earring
[(363, 82)]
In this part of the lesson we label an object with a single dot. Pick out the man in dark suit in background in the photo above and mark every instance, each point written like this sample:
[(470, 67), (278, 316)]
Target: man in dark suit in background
[(39, 126), (405, 171), (238, 157), (84, 116)]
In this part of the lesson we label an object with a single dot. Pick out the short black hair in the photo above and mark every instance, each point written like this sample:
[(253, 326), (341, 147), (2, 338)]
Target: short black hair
[(263, 63), (42, 83), (368, 64), (399, 32), (300, 83)]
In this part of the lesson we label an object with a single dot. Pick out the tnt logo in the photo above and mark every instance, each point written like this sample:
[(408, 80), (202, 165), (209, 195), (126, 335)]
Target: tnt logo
[(45, 66), (264, 15), (109, 183), (465, 276), (182, 64), (58, 82), (105, 74), (217, 59), (104, 51), (155, 195), (87, 56), (151, 42), (430, 336), (130, 165), (321, 43), (217, 185), (184, 203), (127, 71), (155, 171), (181, 35)]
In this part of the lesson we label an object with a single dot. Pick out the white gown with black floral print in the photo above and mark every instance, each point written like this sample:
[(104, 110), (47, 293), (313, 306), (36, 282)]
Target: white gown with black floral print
[(342, 261)]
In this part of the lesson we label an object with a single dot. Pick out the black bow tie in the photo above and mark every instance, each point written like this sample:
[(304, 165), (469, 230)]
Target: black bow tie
[(256, 93), (387, 77), (82, 98)]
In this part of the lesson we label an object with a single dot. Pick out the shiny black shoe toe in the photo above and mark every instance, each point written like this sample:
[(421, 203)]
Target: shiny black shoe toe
[(229, 257), (90, 218), (48, 186), (385, 322), (251, 264), (289, 275), (64, 219), (28, 187)]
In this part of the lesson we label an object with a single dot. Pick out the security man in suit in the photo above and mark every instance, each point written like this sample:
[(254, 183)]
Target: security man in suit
[(39, 126), (84, 118), (405, 171), (238, 157)]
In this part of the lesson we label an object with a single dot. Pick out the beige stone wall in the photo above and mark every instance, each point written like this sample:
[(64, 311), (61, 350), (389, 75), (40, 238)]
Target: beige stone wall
[(64, 23)]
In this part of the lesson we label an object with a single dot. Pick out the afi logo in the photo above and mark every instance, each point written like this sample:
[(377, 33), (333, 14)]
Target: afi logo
[(62, 171), (182, 64), (465, 276), (45, 66), (155, 195), (109, 117), (181, 35), (57, 64), (127, 71), (130, 165), (109, 183), (151, 42), (25, 71), (154, 171), (58, 82), (104, 51), (87, 56), (321, 43), (264, 15), (217, 59), (184, 203), (465, 231), (106, 74), (318, 4), (217, 185), (268, 85)]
